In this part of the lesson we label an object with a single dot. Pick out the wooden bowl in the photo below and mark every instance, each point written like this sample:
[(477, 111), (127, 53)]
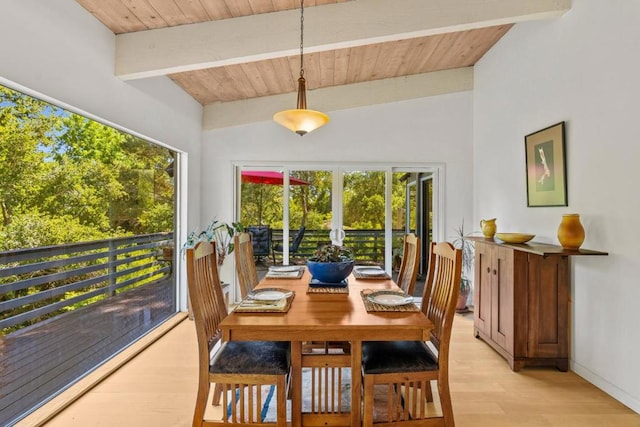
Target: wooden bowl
[(515, 237)]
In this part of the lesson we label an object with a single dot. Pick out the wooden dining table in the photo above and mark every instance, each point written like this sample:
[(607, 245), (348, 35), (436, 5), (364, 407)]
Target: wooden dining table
[(326, 317)]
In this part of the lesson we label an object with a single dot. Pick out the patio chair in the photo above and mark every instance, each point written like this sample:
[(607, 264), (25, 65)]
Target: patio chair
[(410, 262), (295, 245), (261, 236), (245, 265), (240, 368), (408, 367)]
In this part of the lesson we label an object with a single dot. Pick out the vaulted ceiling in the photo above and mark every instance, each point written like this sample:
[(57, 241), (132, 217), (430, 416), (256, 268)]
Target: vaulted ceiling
[(240, 58)]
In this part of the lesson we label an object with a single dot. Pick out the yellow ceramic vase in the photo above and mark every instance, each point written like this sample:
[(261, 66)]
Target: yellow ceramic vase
[(570, 231), (488, 227)]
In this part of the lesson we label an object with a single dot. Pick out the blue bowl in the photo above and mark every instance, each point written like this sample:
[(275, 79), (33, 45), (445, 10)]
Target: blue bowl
[(330, 272)]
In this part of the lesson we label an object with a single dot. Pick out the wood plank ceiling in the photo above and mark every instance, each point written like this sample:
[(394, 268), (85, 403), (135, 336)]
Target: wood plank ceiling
[(368, 59)]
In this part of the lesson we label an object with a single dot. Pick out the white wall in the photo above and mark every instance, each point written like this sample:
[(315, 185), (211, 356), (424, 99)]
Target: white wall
[(436, 130), (582, 68), (57, 50)]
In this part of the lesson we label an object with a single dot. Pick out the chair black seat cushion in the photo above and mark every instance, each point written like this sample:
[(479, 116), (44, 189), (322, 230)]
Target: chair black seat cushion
[(383, 357), (252, 357)]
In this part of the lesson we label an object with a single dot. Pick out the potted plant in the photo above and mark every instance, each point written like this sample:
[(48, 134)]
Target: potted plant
[(220, 232), (331, 263), (461, 242), (167, 253)]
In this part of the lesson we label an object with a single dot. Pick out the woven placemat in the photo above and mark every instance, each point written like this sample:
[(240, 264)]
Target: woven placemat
[(327, 290), (274, 274), (383, 275), (267, 308), (372, 306)]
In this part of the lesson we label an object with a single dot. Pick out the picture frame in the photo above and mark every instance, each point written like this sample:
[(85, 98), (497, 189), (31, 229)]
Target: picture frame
[(546, 166)]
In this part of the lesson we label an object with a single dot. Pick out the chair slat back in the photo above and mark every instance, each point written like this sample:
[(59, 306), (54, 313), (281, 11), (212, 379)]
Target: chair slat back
[(245, 264), (441, 293), (409, 266), (298, 239), (205, 294)]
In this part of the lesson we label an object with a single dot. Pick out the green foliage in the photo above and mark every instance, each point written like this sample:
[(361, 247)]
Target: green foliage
[(310, 205), (65, 178), (220, 232), (364, 200), (32, 230), (157, 218)]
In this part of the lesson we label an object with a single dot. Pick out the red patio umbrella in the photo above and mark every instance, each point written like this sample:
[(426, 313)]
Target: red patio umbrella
[(268, 178)]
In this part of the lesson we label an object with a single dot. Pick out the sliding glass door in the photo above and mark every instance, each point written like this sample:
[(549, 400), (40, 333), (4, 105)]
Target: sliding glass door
[(368, 209), (363, 215)]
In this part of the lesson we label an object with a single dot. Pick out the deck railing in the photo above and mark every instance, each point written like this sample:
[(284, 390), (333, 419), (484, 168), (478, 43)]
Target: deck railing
[(367, 245), (66, 309), (40, 283)]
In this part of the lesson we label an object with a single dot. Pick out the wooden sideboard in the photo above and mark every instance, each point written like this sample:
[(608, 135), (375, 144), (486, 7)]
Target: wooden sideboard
[(521, 301)]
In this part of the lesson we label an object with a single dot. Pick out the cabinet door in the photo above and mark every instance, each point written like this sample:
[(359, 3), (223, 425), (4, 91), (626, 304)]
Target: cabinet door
[(502, 297), (482, 288), (548, 307)]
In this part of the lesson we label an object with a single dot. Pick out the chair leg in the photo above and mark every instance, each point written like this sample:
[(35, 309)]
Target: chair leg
[(201, 402), (217, 394), (428, 394), (445, 402), (281, 396), (367, 407)]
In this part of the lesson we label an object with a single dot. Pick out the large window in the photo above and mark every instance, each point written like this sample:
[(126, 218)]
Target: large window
[(374, 207), (87, 210)]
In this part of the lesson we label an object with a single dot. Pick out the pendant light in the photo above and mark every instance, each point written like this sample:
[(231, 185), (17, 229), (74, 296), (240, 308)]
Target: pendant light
[(301, 120)]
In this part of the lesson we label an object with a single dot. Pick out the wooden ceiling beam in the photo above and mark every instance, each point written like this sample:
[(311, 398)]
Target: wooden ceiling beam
[(274, 35), (236, 113)]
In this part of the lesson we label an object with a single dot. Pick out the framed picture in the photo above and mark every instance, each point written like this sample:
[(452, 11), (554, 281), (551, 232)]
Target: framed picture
[(546, 167)]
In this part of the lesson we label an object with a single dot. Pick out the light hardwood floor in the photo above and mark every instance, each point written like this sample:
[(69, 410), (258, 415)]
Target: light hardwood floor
[(157, 388)]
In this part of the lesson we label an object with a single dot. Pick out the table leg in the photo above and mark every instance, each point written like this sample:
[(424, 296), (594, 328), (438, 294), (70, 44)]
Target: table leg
[(296, 383), (356, 382)]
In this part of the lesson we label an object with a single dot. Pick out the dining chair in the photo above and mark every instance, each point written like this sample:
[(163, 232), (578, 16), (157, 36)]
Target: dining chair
[(293, 248), (408, 367), (245, 264), (410, 262), (261, 236), (239, 368)]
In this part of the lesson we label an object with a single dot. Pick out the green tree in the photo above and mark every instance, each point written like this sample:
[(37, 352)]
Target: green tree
[(59, 167), (364, 200), (26, 138)]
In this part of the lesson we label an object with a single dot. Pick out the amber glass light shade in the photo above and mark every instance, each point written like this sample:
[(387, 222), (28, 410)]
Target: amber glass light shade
[(301, 120)]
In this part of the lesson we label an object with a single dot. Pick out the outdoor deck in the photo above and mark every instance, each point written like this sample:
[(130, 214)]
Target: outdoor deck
[(158, 388), (83, 338)]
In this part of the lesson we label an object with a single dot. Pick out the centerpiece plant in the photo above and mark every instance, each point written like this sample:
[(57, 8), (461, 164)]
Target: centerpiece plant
[(331, 263), (332, 253)]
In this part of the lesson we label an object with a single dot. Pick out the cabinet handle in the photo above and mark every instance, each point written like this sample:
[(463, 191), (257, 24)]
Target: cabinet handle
[(488, 270), (495, 271)]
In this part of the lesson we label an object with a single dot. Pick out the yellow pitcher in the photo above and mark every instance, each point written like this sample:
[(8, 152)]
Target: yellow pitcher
[(488, 227)]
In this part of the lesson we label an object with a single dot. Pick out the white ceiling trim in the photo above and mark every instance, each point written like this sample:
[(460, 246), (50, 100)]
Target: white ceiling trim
[(236, 113), (265, 36)]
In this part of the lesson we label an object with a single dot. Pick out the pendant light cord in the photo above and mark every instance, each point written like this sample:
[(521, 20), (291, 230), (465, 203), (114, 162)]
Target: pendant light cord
[(301, 38), (301, 120)]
